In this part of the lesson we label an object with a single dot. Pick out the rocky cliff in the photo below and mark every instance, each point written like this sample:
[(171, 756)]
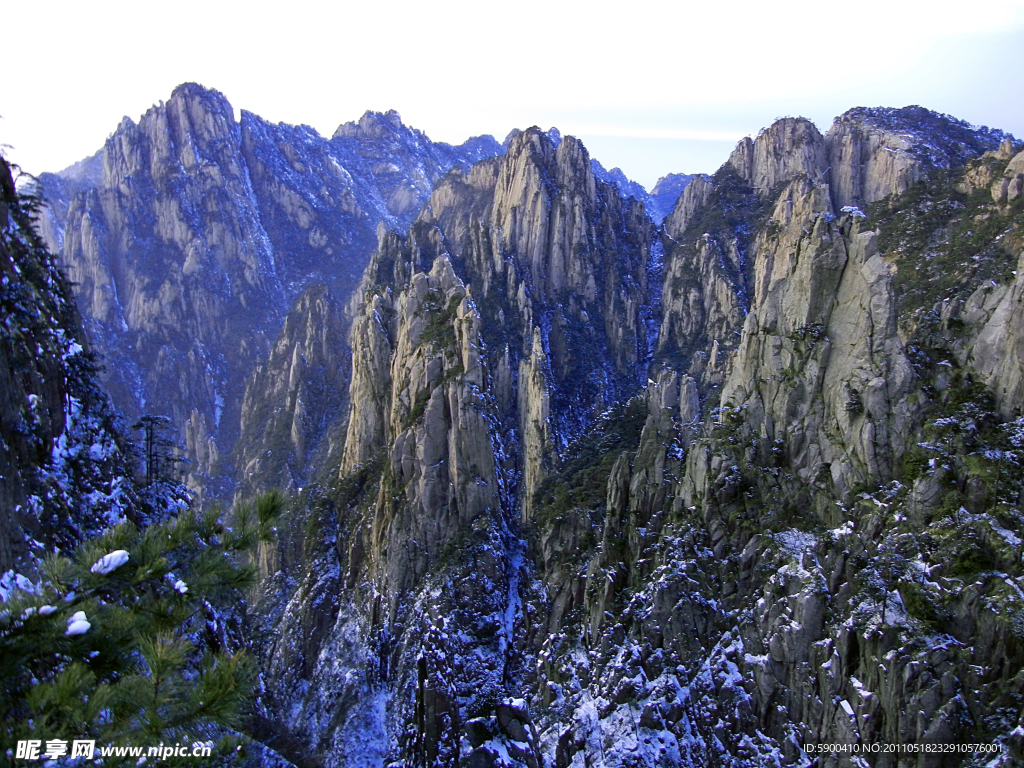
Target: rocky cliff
[(514, 310), (828, 556), (190, 248), (611, 495), (586, 490)]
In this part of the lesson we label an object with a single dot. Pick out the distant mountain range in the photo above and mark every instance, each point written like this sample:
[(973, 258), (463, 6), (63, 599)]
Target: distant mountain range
[(721, 474), (190, 235)]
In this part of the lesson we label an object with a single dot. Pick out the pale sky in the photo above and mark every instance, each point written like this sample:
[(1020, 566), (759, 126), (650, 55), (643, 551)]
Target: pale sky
[(652, 87)]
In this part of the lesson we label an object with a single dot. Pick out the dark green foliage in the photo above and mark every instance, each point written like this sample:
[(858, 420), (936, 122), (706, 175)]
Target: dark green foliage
[(347, 504), (733, 210), (154, 662), (65, 465), (158, 455), (945, 243), (965, 435), (921, 604), (809, 335), (854, 403), (583, 478), (915, 461), (734, 214), (353, 487), (972, 555), (457, 548), (418, 408), (440, 330)]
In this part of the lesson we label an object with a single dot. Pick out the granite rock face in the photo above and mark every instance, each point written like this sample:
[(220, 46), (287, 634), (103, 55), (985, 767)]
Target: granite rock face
[(604, 493), (475, 338), (666, 192), (175, 274), (821, 334), (728, 603), (874, 153), (201, 233), (293, 398), (790, 147), (616, 496), (694, 197)]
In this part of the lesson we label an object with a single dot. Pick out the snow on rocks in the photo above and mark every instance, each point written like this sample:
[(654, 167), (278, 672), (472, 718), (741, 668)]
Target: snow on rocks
[(796, 542)]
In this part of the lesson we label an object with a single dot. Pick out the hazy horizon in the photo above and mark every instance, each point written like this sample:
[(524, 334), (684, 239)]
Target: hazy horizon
[(668, 88)]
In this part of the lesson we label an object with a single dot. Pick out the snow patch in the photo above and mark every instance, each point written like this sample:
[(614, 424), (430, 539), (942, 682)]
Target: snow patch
[(77, 624), (110, 562)]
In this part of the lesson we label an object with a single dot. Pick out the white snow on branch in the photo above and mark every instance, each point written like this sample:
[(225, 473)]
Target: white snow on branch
[(77, 624), (110, 562)]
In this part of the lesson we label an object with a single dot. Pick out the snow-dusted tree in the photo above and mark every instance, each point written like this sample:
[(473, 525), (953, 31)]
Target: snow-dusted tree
[(125, 641), (159, 452), (889, 566)]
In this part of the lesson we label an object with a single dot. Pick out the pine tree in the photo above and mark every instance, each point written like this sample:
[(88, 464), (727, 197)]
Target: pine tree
[(159, 451), (123, 642)]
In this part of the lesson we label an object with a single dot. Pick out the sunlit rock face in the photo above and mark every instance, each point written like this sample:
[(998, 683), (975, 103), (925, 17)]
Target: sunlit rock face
[(573, 488), (190, 247)]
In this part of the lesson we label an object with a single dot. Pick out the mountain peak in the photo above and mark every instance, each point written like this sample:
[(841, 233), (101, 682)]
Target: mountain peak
[(940, 140), (375, 125), (789, 147), (194, 93)]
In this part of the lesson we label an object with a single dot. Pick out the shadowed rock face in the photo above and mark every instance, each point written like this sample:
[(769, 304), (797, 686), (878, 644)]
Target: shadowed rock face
[(751, 545), (602, 494), (64, 475), (202, 231)]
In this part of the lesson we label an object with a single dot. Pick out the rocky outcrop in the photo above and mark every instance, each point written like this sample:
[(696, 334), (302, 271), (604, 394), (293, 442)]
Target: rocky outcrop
[(790, 147), (174, 271), (868, 164), (1010, 186), (558, 262), (293, 399), (402, 162), (429, 551), (703, 308), (778, 538), (57, 190), (995, 349), (441, 457), (666, 192), (474, 340), (541, 212), (874, 153), (820, 354), (202, 232), (581, 520), (694, 197)]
